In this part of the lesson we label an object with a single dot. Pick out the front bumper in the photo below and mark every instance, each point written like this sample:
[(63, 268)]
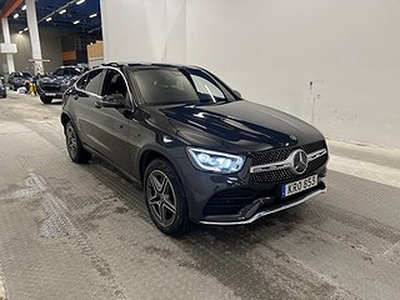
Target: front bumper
[(217, 199), (255, 210), (51, 91), (243, 197)]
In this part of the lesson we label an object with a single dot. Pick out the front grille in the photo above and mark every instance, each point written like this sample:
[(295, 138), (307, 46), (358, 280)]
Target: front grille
[(280, 155), (50, 87)]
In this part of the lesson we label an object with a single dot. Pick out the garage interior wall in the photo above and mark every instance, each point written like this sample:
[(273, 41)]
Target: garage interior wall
[(332, 63), (51, 49)]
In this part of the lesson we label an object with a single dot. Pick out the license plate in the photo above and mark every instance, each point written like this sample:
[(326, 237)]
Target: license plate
[(299, 186), (50, 94)]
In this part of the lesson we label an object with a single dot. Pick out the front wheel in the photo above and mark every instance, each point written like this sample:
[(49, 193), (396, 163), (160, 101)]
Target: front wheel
[(165, 198), (74, 146), (45, 100)]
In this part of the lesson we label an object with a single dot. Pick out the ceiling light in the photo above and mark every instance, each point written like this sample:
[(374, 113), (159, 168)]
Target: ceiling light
[(49, 19), (24, 7), (61, 12), (26, 29), (16, 16), (76, 22), (80, 2), (93, 16)]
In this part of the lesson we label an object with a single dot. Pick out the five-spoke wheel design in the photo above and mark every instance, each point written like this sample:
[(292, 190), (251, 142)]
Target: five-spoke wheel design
[(161, 198), (71, 141), (74, 146), (165, 198)]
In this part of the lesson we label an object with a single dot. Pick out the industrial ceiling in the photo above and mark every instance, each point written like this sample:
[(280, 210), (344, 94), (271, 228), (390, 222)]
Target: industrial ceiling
[(76, 15)]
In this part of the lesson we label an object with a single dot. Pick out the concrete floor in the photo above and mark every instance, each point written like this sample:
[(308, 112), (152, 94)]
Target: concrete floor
[(83, 232)]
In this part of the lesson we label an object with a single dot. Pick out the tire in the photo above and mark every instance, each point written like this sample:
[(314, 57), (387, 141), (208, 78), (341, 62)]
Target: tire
[(74, 146), (165, 198), (45, 100)]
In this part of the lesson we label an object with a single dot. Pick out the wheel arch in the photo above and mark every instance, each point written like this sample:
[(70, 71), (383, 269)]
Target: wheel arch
[(65, 118), (152, 153), (147, 157)]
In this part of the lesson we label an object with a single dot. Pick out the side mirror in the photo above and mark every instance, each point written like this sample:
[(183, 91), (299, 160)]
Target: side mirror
[(237, 94), (113, 100)]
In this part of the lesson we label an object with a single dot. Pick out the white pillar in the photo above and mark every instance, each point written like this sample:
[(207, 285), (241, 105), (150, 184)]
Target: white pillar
[(34, 35), (7, 40)]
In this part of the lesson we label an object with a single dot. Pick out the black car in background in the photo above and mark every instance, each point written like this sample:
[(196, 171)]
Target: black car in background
[(3, 90), (18, 79), (201, 152), (53, 86)]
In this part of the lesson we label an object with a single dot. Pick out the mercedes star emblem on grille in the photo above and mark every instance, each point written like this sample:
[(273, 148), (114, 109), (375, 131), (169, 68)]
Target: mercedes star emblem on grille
[(299, 161)]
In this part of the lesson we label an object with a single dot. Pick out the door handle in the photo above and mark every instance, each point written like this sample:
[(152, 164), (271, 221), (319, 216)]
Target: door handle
[(75, 96), (97, 104)]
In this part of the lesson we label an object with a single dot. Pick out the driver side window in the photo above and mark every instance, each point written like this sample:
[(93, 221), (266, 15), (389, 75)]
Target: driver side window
[(114, 83), (91, 82)]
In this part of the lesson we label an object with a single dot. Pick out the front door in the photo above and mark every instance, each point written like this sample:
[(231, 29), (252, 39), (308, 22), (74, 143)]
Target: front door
[(111, 125)]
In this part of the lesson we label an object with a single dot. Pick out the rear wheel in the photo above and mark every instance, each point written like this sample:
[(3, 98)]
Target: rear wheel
[(74, 146), (45, 100), (165, 198)]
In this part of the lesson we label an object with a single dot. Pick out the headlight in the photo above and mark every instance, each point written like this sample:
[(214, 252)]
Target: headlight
[(215, 161)]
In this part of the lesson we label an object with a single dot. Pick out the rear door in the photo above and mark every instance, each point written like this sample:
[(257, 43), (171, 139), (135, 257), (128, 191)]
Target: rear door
[(85, 96)]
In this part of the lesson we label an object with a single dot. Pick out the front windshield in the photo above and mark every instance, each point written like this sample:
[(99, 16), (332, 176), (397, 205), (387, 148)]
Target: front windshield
[(26, 74), (160, 86)]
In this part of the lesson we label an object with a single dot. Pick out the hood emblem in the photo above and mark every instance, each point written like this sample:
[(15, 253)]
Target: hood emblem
[(299, 162)]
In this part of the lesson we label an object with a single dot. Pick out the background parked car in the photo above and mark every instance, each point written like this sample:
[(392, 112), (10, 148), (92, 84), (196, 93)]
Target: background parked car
[(18, 79), (3, 90), (53, 86)]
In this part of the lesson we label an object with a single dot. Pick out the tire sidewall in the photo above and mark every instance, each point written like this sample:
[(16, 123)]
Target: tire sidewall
[(81, 155), (69, 125)]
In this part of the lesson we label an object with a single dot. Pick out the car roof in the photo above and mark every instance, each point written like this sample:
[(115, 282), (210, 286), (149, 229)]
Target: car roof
[(146, 65)]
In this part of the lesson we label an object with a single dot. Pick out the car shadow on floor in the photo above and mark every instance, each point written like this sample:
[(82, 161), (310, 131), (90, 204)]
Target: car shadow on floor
[(241, 258)]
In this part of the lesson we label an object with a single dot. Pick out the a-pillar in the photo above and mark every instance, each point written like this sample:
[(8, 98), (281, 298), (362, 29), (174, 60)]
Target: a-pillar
[(34, 35), (7, 40)]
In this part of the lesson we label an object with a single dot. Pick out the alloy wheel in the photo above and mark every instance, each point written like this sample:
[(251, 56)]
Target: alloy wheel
[(71, 141), (161, 198)]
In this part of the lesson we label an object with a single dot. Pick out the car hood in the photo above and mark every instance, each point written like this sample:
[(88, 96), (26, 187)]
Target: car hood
[(238, 126), (56, 79)]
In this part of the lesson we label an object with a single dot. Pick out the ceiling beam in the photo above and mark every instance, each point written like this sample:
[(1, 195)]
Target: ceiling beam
[(65, 6), (9, 7)]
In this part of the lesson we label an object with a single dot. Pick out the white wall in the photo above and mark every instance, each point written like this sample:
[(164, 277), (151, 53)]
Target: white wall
[(271, 50)]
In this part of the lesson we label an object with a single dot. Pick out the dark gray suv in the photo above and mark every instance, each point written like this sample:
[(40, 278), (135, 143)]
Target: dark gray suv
[(201, 152)]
